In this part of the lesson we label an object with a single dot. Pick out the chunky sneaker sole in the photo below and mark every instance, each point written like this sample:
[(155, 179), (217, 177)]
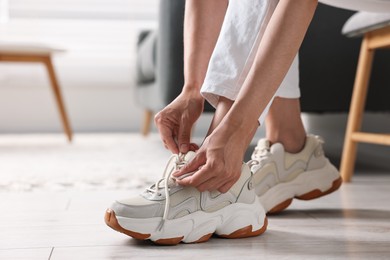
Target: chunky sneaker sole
[(234, 221), (279, 176), (168, 214), (307, 186)]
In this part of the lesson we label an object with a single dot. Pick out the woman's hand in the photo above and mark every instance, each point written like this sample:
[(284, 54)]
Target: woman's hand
[(175, 121), (217, 164)]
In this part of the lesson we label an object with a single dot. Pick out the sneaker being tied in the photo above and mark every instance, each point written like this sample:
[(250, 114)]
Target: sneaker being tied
[(168, 214), (279, 176)]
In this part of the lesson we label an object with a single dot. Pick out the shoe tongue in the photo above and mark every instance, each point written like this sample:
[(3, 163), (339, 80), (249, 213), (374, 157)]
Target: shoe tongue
[(263, 144), (189, 156)]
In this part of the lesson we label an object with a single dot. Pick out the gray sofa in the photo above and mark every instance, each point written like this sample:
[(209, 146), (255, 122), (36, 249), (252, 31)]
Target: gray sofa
[(327, 64), (153, 93)]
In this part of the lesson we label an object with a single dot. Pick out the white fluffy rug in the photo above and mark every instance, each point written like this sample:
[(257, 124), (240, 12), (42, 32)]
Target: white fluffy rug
[(92, 161)]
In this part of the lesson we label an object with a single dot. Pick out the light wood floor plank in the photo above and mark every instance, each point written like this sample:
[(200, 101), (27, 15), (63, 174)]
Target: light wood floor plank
[(238, 249), (28, 254)]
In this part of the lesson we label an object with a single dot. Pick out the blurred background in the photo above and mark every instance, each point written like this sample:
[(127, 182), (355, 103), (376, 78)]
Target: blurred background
[(98, 74), (116, 63)]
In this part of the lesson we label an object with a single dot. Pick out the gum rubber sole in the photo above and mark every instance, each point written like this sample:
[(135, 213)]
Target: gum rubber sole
[(314, 194), (247, 232), (280, 207), (112, 222)]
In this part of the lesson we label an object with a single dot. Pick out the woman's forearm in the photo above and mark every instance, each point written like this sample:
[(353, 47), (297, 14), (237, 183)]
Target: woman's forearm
[(281, 41), (202, 24)]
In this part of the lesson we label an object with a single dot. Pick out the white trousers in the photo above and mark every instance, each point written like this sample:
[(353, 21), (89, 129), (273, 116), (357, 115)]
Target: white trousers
[(242, 30)]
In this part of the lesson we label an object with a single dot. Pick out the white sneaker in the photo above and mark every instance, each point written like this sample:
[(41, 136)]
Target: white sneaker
[(280, 176), (169, 214)]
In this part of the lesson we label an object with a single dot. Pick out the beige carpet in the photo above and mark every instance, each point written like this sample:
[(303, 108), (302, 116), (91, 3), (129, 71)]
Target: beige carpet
[(91, 162)]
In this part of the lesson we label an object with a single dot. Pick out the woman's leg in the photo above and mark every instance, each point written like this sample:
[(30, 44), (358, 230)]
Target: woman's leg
[(284, 124), (234, 54), (241, 33), (283, 120)]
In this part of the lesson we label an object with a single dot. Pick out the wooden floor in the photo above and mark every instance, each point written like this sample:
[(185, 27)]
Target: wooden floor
[(353, 223)]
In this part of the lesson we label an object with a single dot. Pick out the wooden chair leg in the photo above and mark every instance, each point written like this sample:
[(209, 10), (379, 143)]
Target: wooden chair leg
[(148, 115), (57, 93), (356, 110)]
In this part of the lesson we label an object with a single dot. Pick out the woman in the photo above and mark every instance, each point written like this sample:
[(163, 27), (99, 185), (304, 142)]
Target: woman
[(237, 54)]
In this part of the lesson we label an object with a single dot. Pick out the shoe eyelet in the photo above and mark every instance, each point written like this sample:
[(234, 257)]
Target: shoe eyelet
[(250, 185)]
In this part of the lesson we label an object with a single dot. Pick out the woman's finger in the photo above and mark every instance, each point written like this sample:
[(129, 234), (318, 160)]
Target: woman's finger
[(197, 178), (166, 135), (198, 161)]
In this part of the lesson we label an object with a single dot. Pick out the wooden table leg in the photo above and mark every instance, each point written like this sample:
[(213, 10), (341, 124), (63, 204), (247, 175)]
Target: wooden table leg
[(57, 93), (148, 115)]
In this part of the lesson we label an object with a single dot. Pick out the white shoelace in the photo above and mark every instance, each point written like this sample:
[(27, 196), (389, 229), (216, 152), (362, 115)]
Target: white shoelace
[(179, 163), (259, 157)]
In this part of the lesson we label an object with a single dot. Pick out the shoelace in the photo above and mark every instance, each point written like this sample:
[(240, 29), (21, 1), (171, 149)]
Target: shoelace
[(259, 156), (179, 163)]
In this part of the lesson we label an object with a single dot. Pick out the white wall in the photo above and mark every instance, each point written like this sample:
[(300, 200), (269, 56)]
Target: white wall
[(96, 72), (84, 9)]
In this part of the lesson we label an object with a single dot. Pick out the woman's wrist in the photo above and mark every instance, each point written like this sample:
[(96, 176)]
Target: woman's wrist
[(192, 91), (237, 126)]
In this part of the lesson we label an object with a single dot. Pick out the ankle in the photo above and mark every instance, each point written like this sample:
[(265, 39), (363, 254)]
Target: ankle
[(293, 142)]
